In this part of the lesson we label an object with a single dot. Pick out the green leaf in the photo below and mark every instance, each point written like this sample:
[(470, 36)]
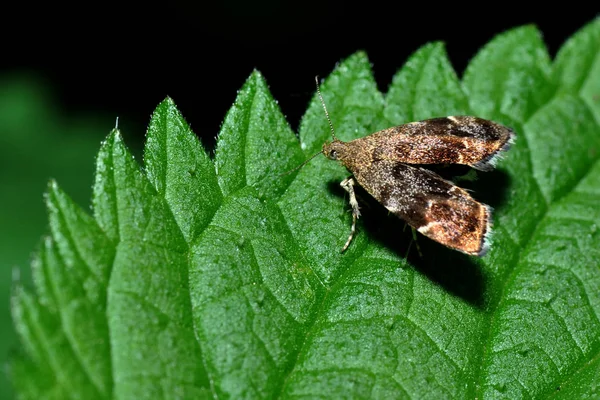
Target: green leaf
[(224, 279), (77, 280), (577, 66), (253, 297), (188, 182), (425, 87), (546, 327), (510, 76), (149, 309), (256, 143), (560, 133)]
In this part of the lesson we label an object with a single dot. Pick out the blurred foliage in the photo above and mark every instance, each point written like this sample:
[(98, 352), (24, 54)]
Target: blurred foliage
[(38, 141)]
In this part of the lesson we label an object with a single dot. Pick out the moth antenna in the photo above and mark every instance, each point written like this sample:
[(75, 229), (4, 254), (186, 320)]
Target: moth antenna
[(325, 108), (300, 166)]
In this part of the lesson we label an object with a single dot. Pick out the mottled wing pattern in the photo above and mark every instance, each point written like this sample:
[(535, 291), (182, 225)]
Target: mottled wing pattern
[(435, 207), (450, 140)]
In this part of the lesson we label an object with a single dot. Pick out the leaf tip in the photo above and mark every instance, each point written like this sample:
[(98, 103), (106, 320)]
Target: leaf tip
[(111, 139), (52, 186), (521, 31), (16, 276), (256, 74), (357, 62), (112, 146), (114, 138), (360, 57), (257, 80), (167, 103), (165, 111), (52, 191), (18, 292), (437, 46)]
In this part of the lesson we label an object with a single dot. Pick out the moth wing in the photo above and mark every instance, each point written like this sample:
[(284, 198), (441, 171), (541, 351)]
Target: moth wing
[(434, 206), (465, 140)]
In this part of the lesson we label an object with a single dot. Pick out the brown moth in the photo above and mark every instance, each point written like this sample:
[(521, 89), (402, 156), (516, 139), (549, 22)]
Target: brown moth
[(386, 165)]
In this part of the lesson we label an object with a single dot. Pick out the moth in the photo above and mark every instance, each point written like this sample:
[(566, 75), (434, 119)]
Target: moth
[(387, 164)]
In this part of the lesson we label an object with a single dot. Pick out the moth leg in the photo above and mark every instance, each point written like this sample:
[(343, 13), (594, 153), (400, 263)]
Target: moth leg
[(348, 185), (414, 239), (408, 250), (414, 235)]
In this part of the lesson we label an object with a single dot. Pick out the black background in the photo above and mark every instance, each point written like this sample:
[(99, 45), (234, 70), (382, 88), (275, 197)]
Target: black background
[(117, 59)]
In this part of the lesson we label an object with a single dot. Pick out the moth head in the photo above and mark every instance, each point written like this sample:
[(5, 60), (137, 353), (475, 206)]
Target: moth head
[(334, 150)]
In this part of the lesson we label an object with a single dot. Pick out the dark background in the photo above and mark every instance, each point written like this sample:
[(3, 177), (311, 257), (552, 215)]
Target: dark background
[(66, 73), (111, 60)]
